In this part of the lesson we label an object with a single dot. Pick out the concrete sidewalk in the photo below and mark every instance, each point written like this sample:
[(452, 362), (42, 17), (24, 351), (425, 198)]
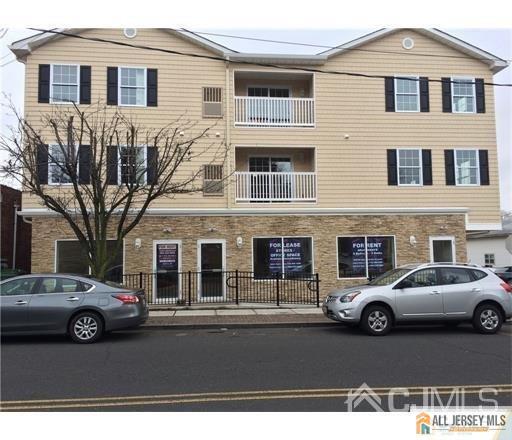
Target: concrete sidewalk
[(239, 317)]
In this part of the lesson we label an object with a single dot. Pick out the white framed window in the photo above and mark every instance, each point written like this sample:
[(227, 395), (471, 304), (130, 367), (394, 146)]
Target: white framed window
[(467, 167), (132, 165), (132, 86), (410, 167), (287, 257), (365, 256), (489, 260), (463, 95), (407, 94), (64, 83), (57, 174)]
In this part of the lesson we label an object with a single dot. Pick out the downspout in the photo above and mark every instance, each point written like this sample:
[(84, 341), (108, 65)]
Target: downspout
[(14, 232), (228, 135)]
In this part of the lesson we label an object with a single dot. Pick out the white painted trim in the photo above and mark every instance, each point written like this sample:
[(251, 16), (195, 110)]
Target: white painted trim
[(420, 183), (132, 87), (397, 77), (366, 255), (51, 101), (221, 241), (154, 266), (191, 212), (433, 238), (483, 226), (464, 78)]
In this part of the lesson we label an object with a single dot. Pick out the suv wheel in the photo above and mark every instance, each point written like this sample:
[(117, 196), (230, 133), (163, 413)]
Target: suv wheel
[(86, 327), (376, 321), (487, 319)]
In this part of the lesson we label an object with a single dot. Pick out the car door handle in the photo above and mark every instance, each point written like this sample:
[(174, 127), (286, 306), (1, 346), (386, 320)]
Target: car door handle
[(72, 298), (435, 292), (21, 302), (476, 289)]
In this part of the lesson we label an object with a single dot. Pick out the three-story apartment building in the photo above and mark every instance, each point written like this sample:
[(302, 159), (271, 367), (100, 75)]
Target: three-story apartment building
[(344, 175)]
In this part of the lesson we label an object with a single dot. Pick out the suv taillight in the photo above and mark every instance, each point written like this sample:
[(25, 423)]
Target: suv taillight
[(507, 287), (127, 299)]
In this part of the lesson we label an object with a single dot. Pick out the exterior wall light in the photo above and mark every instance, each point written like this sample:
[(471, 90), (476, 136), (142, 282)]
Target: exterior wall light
[(413, 241), (138, 243), (239, 242)]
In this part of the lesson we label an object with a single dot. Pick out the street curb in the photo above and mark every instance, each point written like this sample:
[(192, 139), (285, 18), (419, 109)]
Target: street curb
[(235, 325)]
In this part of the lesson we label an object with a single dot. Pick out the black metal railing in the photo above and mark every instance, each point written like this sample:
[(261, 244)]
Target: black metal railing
[(187, 288)]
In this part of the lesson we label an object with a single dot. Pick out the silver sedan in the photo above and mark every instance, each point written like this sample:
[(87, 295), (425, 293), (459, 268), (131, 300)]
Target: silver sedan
[(81, 307)]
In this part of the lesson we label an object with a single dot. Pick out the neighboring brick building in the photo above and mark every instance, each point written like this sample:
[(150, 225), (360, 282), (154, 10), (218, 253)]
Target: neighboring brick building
[(10, 200)]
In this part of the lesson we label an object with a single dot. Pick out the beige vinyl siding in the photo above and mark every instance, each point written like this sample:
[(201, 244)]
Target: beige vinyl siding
[(180, 82), (353, 172)]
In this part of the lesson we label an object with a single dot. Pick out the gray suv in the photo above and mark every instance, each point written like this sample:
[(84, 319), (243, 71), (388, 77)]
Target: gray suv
[(451, 293)]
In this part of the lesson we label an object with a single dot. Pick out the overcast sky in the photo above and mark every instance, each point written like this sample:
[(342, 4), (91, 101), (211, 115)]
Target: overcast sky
[(496, 41)]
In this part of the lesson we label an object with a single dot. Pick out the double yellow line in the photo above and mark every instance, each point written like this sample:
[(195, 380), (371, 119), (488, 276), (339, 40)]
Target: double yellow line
[(173, 399)]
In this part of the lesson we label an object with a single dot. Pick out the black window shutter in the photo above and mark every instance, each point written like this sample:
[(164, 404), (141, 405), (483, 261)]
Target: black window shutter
[(480, 95), (84, 164), (424, 97), (389, 88), (152, 87), (42, 164), (392, 168), (426, 159), (112, 85), (152, 162), (483, 159), (85, 84), (449, 167), (43, 94), (446, 87), (112, 165)]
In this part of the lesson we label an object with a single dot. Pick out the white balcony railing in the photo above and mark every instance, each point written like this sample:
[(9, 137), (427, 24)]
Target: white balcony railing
[(274, 112), (275, 187)]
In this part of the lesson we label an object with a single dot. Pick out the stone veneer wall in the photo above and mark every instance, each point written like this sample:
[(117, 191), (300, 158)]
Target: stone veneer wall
[(323, 229)]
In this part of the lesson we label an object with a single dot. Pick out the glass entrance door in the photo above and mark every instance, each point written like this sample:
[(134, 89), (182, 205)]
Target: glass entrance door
[(167, 256), (211, 258)]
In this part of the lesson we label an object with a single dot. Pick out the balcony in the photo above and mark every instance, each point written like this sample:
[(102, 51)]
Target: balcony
[(274, 112), (274, 174), (273, 99), (275, 187)]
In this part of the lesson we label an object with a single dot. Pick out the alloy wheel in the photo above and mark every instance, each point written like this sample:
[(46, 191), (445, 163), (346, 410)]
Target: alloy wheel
[(377, 321), (489, 319), (85, 328)]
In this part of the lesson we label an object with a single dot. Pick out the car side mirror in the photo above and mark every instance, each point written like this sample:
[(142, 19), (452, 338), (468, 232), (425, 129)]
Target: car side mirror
[(404, 284)]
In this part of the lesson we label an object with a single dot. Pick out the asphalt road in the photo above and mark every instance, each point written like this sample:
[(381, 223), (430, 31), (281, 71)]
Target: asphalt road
[(265, 369)]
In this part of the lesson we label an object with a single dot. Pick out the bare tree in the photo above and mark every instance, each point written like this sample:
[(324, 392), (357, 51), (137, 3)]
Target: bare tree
[(100, 170)]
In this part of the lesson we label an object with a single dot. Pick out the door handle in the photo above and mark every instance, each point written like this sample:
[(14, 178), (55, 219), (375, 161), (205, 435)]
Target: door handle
[(435, 292), (476, 289), (72, 298), (21, 302)]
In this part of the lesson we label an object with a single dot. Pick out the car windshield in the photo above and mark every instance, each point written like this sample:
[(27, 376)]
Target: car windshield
[(389, 277)]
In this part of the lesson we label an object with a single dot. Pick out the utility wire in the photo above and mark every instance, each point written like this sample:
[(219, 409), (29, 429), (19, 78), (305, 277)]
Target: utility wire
[(7, 63), (295, 43), (252, 63)]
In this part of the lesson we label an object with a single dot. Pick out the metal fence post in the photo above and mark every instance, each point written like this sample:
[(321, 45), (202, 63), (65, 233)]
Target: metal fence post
[(189, 288), (236, 287), (277, 288), (140, 280), (317, 288)]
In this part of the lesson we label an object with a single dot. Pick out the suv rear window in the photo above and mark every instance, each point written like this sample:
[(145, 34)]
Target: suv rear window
[(455, 275), (478, 274)]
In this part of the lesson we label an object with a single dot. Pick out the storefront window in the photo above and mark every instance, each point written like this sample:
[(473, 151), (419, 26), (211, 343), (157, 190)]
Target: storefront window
[(289, 256), (72, 259), (365, 256)]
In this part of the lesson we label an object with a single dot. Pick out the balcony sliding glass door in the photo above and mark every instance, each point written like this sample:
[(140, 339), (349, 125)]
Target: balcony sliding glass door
[(271, 178)]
